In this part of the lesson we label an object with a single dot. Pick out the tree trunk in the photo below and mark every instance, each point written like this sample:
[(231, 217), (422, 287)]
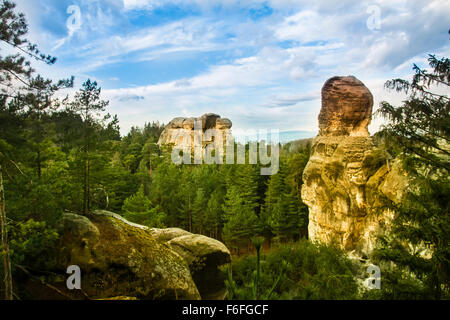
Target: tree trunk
[(151, 171), (5, 247), (39, 164), (85, 171), (88, 187), (189, 214), (39, 140), (85, 191)]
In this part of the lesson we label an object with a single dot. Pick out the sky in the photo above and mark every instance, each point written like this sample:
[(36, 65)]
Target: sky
[(261, 64)]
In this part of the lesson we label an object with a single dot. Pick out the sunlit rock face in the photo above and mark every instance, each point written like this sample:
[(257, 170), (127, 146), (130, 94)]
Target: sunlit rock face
[(346, 107), (347, 180), (175, 130)]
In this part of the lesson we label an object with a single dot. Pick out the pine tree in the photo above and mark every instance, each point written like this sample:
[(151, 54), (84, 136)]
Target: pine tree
[(139, 209), (280, 207), (15, 78), (214, 213), (199, 211), (39, 103), (418, 132), (167, 191), (88, 105), (5, 246), (241, 221)]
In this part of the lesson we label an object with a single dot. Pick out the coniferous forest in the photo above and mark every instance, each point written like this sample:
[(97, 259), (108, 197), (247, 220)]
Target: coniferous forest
[(62, 154)]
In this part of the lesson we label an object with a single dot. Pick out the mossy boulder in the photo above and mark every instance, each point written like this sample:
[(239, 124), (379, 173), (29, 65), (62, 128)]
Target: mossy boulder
[(204, 256), (122, 259), (118, 258)]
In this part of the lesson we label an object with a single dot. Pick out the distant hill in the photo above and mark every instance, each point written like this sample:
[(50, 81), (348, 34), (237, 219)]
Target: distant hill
[(296, 145), (284, 136), (297, 135)]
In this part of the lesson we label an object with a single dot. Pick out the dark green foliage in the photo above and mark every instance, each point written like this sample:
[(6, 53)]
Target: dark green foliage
[(281, 209), (31, 242), (88, 105), (241, 206), (418, 133), (398, 284), (28, 158), (300, 270), (139, 209), (419, 130), (227, 202)]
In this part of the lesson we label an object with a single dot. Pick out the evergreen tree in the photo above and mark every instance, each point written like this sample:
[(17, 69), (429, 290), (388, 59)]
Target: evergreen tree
[(418, 133), (39, 103), (139, 209), (15, 80), (241, 221), (199, 211), (165, 192), (280, 208), (214, 214), (88, 105)]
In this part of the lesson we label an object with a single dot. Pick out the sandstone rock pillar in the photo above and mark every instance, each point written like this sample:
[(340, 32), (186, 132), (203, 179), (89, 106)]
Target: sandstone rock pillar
[(344, 175)]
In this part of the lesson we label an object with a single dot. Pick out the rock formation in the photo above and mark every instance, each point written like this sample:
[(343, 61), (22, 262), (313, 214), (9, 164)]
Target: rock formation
[(175, 129), (346, 108), (347, 179), (123, 260), (203, 256)]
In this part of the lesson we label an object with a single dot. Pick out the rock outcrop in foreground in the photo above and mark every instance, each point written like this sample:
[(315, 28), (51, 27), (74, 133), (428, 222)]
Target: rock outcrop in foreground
[(347, 180), (123, 260), (174, 130)]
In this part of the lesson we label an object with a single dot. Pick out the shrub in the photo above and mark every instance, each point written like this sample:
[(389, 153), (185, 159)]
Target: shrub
[(300, 270)]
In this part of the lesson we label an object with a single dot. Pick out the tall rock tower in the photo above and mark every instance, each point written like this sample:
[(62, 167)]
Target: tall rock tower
[(346, 180)]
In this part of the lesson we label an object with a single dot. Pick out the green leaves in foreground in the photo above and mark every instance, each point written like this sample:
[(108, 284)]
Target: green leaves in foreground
[(300, 270)]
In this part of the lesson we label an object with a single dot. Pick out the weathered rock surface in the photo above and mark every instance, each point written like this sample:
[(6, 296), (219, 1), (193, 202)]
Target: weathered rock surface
[(204, 255), (122, 259), (347, 180), (174, 131), (346, 107)]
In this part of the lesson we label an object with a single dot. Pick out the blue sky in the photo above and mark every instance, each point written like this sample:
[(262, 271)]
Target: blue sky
[(260, 63)]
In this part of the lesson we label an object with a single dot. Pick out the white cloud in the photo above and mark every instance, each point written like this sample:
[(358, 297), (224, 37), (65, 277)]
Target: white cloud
[(284, 57), (290, 100), (137, 4)]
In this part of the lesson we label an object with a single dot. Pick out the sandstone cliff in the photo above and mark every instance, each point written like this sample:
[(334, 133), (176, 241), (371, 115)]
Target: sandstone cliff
[(123, 260), (175, 129), (347, 179)]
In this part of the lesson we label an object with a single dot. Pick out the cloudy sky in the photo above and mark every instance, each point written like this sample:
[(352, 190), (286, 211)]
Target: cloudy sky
[(260, 63)]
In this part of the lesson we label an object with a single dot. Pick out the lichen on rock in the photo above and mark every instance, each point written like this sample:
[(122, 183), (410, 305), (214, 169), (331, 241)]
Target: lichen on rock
[(204, 256), (118, 258)]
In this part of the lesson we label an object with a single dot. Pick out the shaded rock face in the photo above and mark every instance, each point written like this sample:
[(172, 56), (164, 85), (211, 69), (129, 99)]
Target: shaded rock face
[(204, 255), (121, 259), (173, 135), (347, 181)]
